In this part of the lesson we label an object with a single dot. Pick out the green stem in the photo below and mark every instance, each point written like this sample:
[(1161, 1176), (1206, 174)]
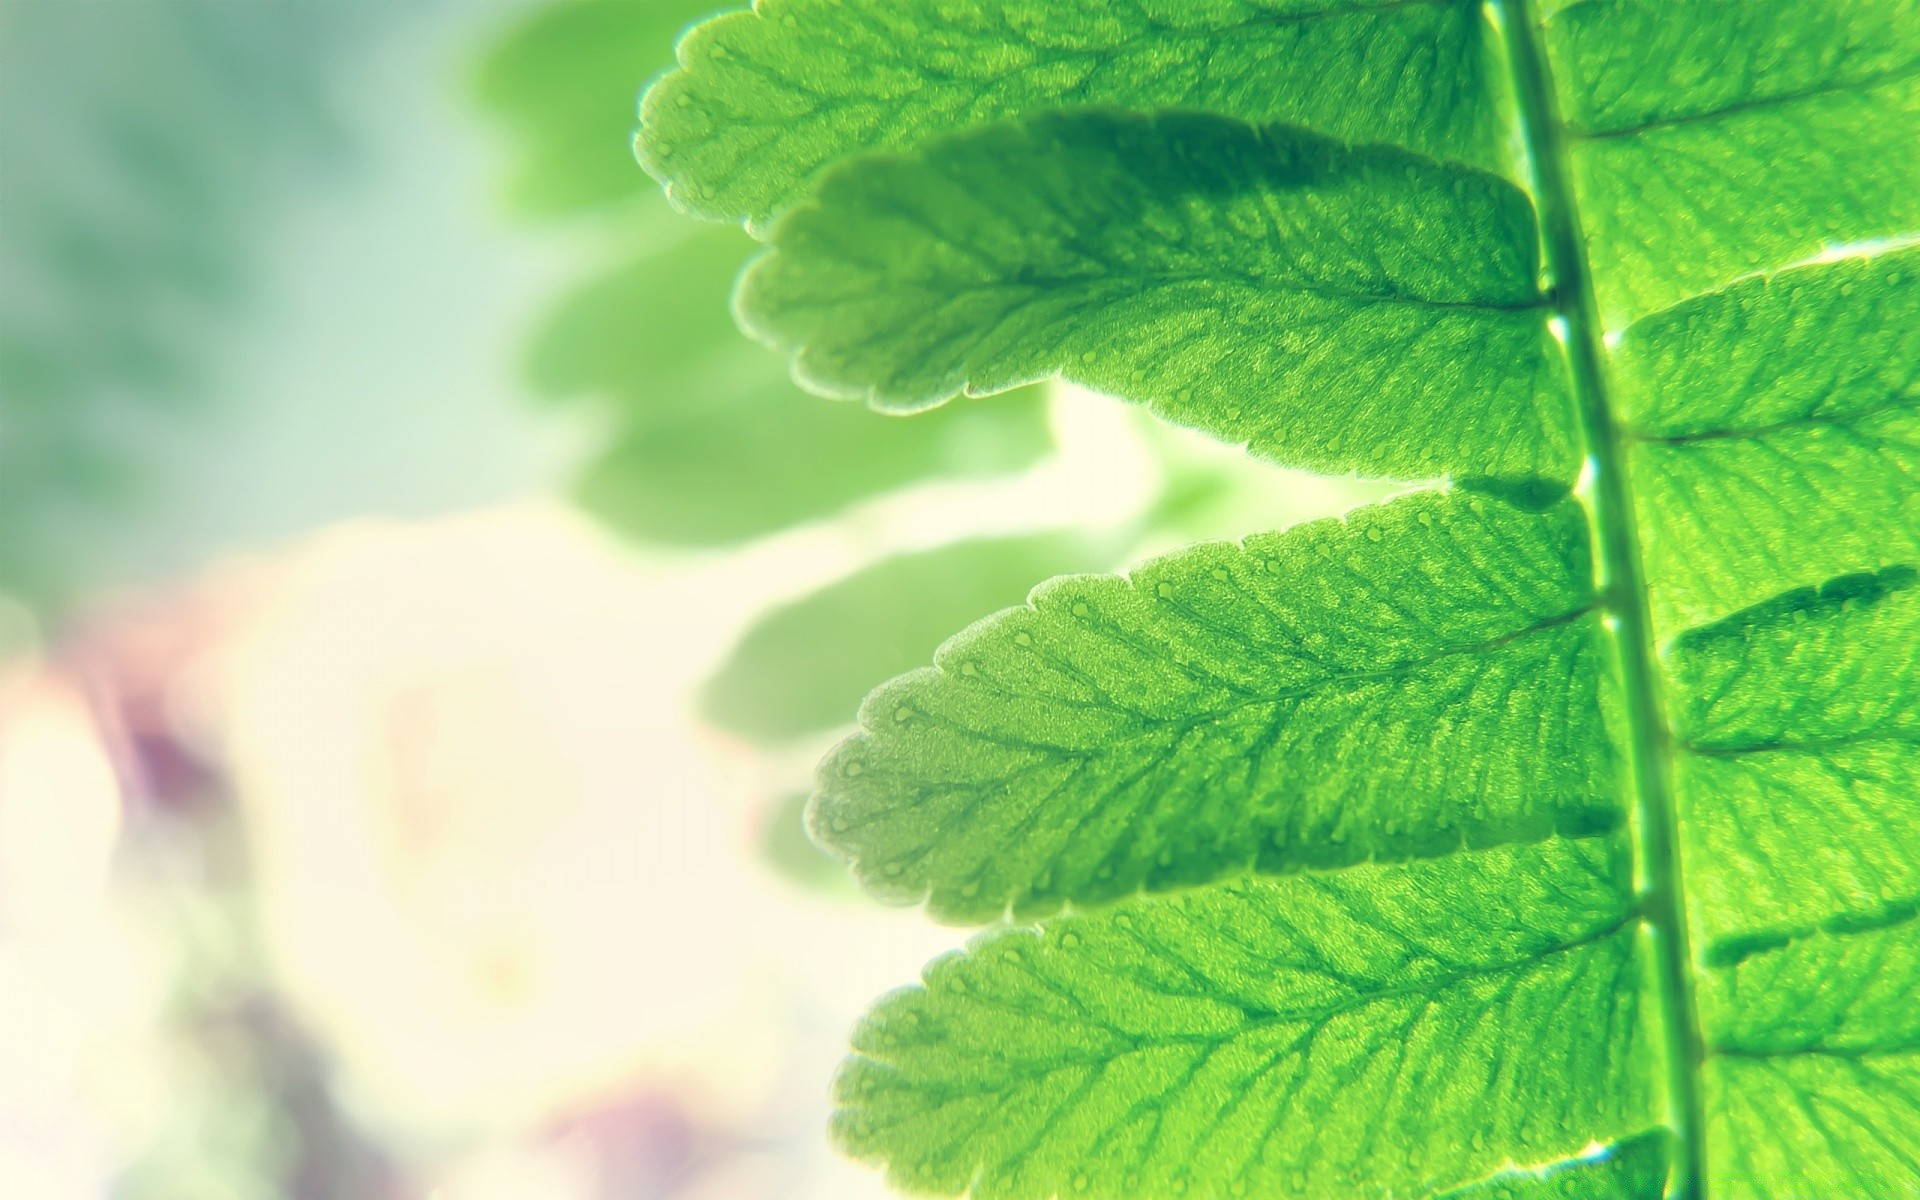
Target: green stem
[(1657, 858)]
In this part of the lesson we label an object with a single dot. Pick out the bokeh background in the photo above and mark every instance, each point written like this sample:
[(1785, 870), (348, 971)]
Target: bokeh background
[(420, 610)]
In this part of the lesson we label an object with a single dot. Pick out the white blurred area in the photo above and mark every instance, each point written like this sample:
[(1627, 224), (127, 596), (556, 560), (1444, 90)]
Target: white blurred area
[(76, 1001), (501, 876)]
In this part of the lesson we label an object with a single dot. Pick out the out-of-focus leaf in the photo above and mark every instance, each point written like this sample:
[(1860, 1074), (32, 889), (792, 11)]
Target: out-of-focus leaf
[(568, 83), (785, 846), (767, 456), (803, 668), (711, 441)]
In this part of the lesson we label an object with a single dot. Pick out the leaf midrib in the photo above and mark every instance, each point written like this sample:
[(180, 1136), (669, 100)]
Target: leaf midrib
[(1660, 884)]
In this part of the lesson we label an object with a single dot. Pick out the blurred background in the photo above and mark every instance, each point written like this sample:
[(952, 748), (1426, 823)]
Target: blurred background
[(420, 610)]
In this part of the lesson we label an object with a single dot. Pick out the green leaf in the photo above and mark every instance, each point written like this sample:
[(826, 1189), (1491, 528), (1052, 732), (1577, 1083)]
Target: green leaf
[(1703, 291), (764, 99), (1814, 1085), (1798, 790), (804, 667), (1333, 308), (1789, 400), (1721, 137), (1272, 1037), (1392, 686)]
